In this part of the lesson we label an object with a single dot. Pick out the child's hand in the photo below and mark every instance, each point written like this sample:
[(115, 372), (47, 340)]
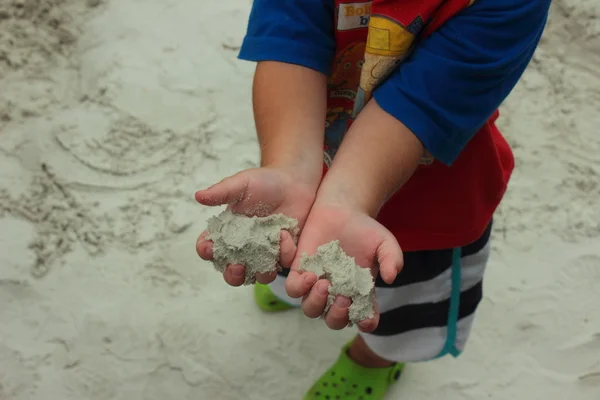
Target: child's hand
[(258, 192), (361, 237)]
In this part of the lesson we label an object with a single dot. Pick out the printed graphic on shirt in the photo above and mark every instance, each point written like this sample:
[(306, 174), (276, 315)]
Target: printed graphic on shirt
[(345, 77), (373, 39), (353, 16), (388, 44)]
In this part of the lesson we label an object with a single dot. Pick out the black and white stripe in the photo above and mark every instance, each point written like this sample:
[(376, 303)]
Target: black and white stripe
[(424, 265), (415, 307)]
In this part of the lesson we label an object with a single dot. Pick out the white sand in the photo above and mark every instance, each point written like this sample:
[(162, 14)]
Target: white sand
[(112, 116)]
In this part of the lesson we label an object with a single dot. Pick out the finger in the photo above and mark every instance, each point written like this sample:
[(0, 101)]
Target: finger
[(314, 303), (390, 258), (204, 247), (287, 249), (298, 284), (235, 274), (266, 278), (229, 191), (337, 316), (369, 325)]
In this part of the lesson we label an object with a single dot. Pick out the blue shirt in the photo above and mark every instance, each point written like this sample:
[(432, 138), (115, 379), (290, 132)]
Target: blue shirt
[(449, 86)]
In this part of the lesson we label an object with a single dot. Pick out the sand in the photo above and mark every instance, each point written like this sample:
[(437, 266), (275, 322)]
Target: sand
[(112, 116), (249, 241), (346, 278)]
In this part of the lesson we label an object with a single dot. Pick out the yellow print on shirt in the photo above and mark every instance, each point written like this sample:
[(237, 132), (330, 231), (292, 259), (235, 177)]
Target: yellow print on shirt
[(388, 44)]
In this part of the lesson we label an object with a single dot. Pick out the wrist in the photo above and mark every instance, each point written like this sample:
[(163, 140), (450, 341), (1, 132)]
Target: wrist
[(302, 171), (341, 192)]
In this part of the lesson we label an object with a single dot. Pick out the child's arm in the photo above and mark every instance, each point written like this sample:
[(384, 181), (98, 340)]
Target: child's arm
[(378, 155), (294, 45), (437, 100), (290, 129)]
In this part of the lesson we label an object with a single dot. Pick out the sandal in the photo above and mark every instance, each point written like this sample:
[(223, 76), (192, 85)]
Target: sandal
[(267, 301), (346, 380)]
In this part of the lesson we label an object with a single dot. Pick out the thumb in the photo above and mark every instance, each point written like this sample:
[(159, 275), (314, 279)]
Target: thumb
[(287, 249), (229, 191), (390, 258)]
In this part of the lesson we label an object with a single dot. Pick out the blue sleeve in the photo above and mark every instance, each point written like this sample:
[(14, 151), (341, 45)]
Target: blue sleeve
[(292, 31), (458, 77)]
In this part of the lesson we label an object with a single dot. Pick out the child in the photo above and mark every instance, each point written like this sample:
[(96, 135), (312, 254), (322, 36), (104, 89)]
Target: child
[(412, 88)]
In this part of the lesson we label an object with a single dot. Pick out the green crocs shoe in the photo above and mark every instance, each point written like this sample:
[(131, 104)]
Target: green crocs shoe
[(267, 301), (346, 380)]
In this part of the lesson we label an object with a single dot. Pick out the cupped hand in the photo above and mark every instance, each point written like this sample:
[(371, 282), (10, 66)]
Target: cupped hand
[(361, 237), (258, 192)]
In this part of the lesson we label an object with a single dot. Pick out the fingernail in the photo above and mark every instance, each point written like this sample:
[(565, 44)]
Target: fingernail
[(323, 290), (366, 325), (237, 272), (342, 302), (309, 279)]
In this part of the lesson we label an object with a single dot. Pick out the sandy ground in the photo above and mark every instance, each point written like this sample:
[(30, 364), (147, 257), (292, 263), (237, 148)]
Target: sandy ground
[(112, 113)]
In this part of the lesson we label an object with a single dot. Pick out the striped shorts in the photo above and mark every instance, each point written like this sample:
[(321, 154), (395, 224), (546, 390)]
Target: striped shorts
[(429, 310)]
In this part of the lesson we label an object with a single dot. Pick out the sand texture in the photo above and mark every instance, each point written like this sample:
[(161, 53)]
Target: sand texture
[(114, 112), (250, 241), (346, 278)]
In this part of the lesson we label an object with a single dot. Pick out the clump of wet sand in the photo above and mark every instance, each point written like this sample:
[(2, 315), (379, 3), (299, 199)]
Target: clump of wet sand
[(346, 277), (249, 241)]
